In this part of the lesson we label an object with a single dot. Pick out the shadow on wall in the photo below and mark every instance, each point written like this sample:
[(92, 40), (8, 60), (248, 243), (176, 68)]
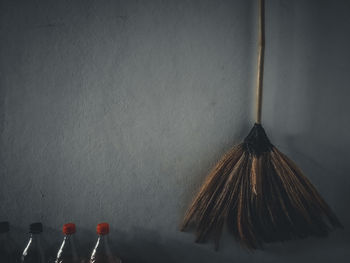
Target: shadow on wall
[(147, 246), (309, 109)]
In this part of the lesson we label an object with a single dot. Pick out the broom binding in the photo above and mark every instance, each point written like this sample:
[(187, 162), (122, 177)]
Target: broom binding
[(257, 141)]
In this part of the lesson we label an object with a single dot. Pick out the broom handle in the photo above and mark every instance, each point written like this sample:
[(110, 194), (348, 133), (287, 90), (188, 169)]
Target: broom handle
[(261, 51)]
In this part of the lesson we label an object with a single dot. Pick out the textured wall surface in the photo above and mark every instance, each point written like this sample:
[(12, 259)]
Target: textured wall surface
[(116, 110)]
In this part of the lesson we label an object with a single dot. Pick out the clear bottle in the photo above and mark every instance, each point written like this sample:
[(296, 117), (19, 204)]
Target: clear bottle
[(102, 252), (8, 248), (33, 252), (67, 252)]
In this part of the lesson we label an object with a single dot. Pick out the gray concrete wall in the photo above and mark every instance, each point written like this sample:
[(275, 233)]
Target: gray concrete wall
[(116, 110)]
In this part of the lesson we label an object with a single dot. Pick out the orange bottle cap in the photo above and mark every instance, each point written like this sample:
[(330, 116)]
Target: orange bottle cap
[(68, 228), (102, 228)]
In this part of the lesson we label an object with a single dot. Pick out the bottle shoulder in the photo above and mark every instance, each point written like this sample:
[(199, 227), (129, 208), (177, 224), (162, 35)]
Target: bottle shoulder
[(67, 252), (33, 252), (102, 252)]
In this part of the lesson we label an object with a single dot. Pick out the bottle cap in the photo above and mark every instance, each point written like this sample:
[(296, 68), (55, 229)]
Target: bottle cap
[(4, 227), (102, 228), (69, 228), (36, 228)]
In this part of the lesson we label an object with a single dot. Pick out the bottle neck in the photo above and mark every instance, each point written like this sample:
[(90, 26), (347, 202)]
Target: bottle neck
[(34, 249), (67, 249), (102, 252), (102, 245), (68, 241), (69, 238), (34, 241), (35, 237)]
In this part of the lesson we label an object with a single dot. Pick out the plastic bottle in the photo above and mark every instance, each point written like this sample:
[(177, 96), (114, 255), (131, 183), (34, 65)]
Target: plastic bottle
[(67, 252), (8, 248), (33, 252), (102, 252)]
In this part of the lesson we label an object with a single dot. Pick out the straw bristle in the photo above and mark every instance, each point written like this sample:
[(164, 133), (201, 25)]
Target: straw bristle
[(262, 197)]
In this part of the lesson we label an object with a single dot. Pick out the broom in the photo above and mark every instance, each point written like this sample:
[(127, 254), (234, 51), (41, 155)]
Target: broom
[(256, 191)]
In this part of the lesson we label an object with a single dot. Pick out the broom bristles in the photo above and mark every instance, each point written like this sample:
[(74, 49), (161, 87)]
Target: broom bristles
[(261, 195)]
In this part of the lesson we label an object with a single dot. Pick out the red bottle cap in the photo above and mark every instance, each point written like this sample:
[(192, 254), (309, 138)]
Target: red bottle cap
[(102, 228), (69, 228)]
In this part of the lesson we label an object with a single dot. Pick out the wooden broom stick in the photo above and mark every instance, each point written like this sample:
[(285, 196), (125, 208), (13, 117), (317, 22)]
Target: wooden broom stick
[(261, 52)]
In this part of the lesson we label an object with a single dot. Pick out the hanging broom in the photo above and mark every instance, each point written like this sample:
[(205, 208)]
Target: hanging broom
[(257, 191)]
